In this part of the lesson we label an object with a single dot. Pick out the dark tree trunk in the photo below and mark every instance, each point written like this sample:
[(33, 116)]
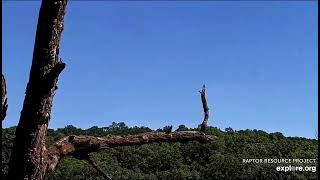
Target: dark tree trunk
[(4, 105), (29, 158)]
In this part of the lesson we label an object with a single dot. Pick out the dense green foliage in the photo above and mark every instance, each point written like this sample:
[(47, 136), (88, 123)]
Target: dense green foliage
[(222, 159)]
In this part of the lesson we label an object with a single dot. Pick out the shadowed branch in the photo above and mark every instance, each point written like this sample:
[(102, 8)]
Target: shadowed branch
[(4, 99)]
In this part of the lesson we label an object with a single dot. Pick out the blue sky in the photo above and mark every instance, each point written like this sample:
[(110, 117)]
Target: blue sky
[(143, 63)]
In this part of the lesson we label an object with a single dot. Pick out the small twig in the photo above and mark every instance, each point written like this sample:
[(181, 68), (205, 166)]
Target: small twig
[(84, 155), (94, 165)]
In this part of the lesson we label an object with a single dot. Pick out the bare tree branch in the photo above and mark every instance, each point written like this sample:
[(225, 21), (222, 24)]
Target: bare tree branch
[(85, 156), (205, 109), (85, 144), (4, 99), (95, 166)]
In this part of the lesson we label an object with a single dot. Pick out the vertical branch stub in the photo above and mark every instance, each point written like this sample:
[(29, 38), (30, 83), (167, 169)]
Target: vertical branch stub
[(205, 109)]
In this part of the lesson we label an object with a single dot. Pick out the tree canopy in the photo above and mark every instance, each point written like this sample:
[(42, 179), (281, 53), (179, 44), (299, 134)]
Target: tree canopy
[(220, 159)]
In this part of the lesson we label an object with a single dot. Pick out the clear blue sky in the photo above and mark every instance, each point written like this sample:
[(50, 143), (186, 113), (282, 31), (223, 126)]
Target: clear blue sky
[(143, 63)]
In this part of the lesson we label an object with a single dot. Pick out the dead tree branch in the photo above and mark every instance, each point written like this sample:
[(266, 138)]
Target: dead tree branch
[(205, 109), (95, 166), (4, 99), (81, 155), (86, 144)]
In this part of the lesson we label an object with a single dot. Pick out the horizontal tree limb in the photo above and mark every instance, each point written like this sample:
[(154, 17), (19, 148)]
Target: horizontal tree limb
[(82, 145)]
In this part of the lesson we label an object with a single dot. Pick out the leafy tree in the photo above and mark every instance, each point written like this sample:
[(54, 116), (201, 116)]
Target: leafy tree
[(220, 159), (182, 128)]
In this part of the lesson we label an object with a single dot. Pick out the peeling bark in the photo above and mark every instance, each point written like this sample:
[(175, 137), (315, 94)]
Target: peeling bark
[(28, 159), (82, 145), (204, 124), (4, 99)]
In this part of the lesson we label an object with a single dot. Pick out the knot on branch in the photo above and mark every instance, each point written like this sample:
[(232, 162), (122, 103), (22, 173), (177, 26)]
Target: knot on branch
[(50, 78), (54, 72), (203, 90)]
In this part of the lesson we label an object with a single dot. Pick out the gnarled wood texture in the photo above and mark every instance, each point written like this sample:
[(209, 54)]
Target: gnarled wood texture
[(82, 145), (28, 156)]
